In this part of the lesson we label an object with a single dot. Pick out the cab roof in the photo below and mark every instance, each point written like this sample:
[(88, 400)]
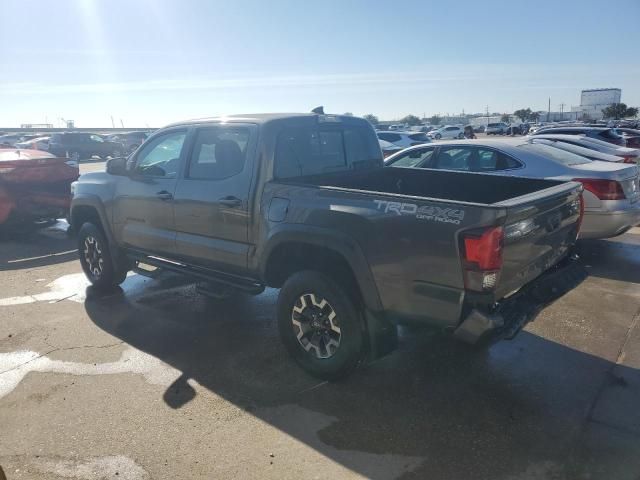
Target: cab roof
[(258, 118)]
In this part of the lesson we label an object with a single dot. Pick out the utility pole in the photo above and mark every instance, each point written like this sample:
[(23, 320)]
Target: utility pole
[(561, 111), (113, 125), (121, 123), (549, 110), (487, 115)]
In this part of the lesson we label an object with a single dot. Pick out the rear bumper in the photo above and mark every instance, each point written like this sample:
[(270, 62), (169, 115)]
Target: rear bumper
[(509, 316), (609, 224)]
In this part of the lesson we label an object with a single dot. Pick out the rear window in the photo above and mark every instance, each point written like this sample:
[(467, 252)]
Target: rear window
[(493, 125), (304, 151), (419, 137), (610, 134), (557, 155), (389, 137)]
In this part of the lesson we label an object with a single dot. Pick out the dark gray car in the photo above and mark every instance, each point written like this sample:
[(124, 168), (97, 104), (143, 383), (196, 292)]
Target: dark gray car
[(303, 203)]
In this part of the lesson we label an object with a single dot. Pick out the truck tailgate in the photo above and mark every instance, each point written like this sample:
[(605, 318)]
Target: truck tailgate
[(538, 232)]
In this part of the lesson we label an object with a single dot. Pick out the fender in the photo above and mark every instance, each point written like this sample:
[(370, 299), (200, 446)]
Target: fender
[(95, 202), (342, 244), (381, 334)]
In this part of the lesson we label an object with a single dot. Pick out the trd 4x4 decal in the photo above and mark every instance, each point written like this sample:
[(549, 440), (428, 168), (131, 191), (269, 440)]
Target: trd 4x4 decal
[(435, 214)]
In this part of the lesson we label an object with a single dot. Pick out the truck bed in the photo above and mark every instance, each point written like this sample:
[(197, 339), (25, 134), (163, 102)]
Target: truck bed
[(409, 223), (433, 184)]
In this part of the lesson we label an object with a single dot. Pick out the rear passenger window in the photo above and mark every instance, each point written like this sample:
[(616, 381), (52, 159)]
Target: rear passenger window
[(218, 153)]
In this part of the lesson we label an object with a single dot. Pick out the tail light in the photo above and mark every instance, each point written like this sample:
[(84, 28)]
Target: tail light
[(628, 159), (603, 189), (482, 258)]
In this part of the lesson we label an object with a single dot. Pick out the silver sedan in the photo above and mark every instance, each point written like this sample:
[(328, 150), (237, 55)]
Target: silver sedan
[(612, 190)]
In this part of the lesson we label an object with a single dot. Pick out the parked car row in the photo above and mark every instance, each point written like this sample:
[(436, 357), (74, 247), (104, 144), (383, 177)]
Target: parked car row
[(78, 145), (612, 187)]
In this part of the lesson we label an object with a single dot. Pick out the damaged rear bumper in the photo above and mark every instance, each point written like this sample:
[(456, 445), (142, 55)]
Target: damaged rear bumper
[(508, 317)]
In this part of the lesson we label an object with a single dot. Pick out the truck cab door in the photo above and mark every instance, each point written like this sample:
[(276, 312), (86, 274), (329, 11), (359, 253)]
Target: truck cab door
[(212, 198), (143, 206)]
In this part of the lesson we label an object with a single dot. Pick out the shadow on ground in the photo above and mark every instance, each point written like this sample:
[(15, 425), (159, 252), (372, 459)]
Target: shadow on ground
[(526, 408)]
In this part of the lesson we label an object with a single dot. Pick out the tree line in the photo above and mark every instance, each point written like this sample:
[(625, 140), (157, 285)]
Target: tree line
[(615, 111)]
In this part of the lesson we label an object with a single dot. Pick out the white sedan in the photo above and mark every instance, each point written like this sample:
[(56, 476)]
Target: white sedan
[(404, 139), (448, 131)]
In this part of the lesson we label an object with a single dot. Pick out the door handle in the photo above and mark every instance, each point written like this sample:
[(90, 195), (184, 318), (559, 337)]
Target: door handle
[(230, 201), (164, 195)]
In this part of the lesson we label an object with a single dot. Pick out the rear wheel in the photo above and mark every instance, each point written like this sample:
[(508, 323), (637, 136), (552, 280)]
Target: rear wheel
[(437, 136), (461, 136), (96, 258), (320, 325)]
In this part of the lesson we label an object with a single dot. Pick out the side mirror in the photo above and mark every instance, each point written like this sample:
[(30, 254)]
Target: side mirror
[(117, 166)]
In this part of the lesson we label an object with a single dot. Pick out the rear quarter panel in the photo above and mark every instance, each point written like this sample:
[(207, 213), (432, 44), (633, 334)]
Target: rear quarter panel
[(410, 244)]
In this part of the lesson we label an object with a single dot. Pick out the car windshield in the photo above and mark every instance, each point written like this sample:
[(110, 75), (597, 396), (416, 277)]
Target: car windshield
[(556, 154)]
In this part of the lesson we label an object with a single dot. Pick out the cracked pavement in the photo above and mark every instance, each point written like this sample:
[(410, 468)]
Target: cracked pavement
[(158, 382)]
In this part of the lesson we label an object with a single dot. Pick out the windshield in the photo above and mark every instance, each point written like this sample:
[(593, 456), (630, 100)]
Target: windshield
[(556, 154)]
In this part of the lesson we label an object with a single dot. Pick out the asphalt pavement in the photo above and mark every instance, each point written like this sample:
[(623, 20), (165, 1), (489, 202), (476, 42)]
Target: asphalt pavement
[(155, 381)]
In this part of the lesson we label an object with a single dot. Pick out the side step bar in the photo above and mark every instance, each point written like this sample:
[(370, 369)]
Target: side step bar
[(212, 276)]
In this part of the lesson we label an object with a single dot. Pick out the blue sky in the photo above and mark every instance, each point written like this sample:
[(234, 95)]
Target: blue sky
[(151, 62)]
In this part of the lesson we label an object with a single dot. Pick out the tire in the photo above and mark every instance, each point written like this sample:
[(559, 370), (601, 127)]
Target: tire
[(74, 155), (461, 136), (311, 297), (437, 136), (96, 258)]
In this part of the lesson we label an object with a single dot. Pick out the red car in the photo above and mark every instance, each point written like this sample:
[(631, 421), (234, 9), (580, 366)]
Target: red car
[(34, 185)]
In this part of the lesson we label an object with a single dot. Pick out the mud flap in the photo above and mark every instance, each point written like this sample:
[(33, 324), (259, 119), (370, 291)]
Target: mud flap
[(381, 335)]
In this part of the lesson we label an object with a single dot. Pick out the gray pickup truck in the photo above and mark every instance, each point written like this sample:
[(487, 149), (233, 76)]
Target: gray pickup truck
[(303, 203)]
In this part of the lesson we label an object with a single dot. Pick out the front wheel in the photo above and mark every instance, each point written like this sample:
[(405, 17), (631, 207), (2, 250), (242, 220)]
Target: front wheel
[(320, 325), (438, 136), (461, 136), (96, 258)]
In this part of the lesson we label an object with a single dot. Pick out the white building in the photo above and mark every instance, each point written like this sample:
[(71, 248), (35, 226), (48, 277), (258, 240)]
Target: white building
[(593, 101)]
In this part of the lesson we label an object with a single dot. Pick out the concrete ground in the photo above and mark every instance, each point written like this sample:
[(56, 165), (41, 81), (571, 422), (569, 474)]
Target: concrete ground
[(157, 382)]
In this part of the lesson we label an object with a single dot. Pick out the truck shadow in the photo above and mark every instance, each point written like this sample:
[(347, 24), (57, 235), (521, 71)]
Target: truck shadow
[(616, 259), (432, 409)]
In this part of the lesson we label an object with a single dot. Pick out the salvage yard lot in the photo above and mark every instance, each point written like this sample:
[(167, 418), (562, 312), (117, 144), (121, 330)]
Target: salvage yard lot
[(156, 381)]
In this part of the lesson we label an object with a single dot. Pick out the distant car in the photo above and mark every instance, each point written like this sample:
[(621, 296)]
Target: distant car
[(421, 128), (404, 139), (447, 132), (11, 139), (589, 153), (388, 148), (600, 133), (629, 155), (397, 127), (129, 140), (631, 136), (38, 143), (79, 145), (34, 185), (499, 128), (612, 190), (479, 129)]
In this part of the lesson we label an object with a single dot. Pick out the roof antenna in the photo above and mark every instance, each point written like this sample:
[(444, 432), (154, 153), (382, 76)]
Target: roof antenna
[(318, 110)]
